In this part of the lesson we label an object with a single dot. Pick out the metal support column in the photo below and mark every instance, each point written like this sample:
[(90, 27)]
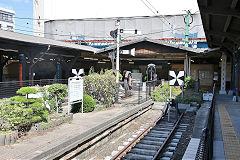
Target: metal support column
[(186, 65), (59, 68), (189, 66), (236, 64), (232, 74), (22, 67), (186, 20)]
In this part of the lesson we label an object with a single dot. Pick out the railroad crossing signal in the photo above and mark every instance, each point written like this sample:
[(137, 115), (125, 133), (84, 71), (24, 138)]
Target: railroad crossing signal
[(78, 73), (114, 33), (176, 78)]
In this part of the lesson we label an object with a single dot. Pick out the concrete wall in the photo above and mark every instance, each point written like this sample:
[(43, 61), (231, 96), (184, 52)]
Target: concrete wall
[(38, 13), (203, 72), (152, 27)]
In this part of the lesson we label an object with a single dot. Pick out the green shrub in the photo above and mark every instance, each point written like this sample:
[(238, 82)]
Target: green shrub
[(162, 93), (189, 82), (26, 90), (101, 87), (113, 73), (56, 91), (187, 99), (22, 111), (88, 105)]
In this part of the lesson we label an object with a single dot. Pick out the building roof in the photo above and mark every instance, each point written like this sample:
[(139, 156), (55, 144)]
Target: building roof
[(7, 10), (221, 21), (183, 48), (13, 40)]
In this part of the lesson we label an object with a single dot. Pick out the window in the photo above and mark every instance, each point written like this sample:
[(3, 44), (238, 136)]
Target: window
[(4, 16), (10, 18)]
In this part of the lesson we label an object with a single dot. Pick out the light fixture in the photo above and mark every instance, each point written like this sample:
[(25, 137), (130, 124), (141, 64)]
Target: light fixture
[(101, 62), (131, 62), (168, 63)]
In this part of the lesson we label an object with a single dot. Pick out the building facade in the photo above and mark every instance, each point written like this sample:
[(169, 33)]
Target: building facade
[(96, 31), (7, 19), (87, 24)]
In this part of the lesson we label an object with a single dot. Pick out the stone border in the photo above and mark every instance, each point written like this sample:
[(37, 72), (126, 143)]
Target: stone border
[(12, 137), (8, 138), (38, 127)]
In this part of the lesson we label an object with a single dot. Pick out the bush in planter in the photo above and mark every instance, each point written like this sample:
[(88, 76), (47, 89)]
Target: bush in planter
[(88, 105), (162, 93), (101, 87), (56, 95), (22, 111), (189, 82), (113, 73), (188, 99)]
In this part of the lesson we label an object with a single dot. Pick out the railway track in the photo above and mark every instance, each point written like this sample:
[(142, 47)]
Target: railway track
[(158, 141)]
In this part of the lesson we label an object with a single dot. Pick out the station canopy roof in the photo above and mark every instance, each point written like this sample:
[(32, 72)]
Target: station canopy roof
[(150, 49), (22, 43), (221, 22)]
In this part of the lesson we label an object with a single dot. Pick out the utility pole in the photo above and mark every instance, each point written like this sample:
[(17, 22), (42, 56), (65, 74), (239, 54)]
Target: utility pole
[(117, 56), (186, 21)]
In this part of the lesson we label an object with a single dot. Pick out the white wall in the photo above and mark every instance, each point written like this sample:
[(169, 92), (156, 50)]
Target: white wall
[(151, 27), (78, 9)]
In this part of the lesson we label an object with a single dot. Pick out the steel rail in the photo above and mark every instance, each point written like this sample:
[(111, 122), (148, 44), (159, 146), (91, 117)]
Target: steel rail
[(104, 134), (126, 149), (167, 139)]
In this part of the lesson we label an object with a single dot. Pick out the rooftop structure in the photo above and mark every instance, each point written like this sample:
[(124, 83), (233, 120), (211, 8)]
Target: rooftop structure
[(7, 19)]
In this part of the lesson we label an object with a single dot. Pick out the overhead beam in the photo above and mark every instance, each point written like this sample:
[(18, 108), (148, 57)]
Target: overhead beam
[(233, 37), (220, 12), (229, 18), (228, 46)]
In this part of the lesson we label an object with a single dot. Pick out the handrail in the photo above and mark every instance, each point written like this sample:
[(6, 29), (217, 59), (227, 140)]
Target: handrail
[(206, 141)]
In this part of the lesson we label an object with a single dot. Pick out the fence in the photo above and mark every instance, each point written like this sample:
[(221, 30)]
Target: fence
[(205, 148), (140, 92), (8, 89)]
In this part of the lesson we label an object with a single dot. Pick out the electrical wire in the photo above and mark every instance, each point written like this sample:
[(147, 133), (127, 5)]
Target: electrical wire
[(152, 6), (156, 14), (181, 28), (66, 35)]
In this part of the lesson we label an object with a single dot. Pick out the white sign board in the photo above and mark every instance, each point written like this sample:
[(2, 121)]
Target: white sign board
[(75, 89)]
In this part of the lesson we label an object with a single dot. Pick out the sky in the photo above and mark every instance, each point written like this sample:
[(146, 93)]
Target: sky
[(77, 9), (22, 8)]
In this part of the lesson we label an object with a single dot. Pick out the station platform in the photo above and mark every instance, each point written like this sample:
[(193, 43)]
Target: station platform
[(226, 129), (48, 144)]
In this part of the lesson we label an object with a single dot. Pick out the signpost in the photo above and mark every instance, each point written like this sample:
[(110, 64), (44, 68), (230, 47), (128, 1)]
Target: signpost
[(75, 88), (176, 78)]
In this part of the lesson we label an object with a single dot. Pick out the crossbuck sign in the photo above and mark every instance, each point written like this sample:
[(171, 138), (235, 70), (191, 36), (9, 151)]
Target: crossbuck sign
[(176, 78)]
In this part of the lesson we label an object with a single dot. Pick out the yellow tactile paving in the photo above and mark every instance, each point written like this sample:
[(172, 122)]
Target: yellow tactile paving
[(230, 138)]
